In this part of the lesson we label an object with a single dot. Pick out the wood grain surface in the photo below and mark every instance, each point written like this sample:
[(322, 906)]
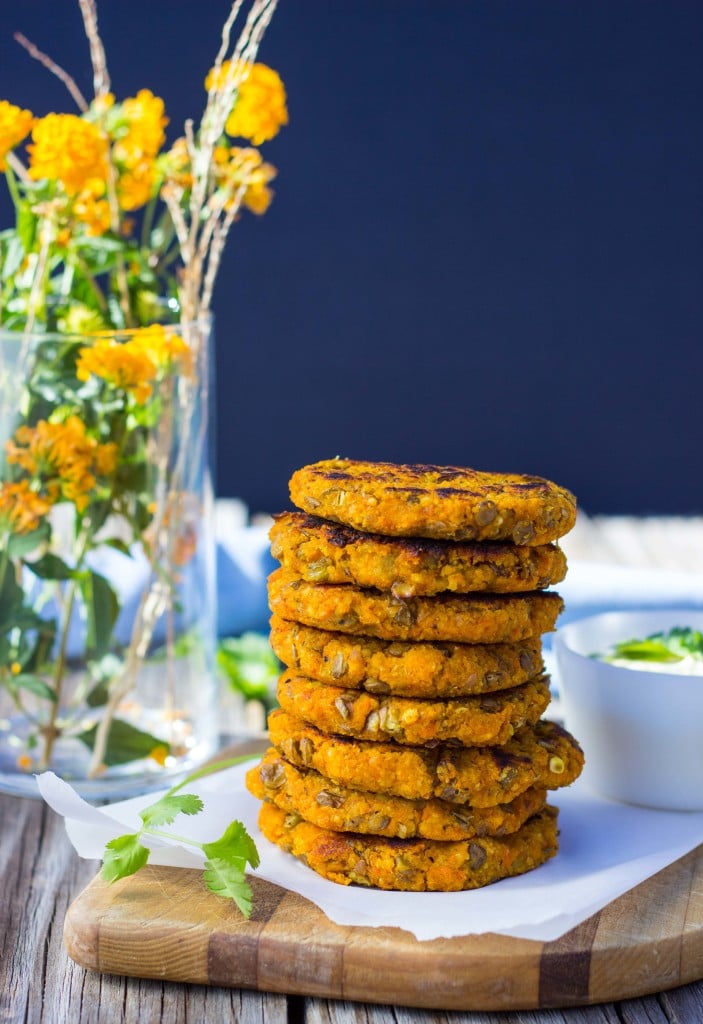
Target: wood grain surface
[(163, 923)]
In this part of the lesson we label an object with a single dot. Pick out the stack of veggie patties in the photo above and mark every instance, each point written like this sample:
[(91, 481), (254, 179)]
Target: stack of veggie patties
[(409, 751)]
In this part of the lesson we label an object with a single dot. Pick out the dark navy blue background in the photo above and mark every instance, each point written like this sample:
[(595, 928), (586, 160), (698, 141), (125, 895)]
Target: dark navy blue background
[(485, 247)]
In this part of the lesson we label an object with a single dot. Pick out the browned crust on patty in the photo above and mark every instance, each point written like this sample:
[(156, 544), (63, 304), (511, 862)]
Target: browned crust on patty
[(473, 721), (324, 552), (310, 796), (413, 865), (544, 755), (484, 618), (446, 502), (402, 668)]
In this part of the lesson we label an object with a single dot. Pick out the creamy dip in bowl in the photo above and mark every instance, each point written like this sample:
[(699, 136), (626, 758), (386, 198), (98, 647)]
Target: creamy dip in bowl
[(640, 723)]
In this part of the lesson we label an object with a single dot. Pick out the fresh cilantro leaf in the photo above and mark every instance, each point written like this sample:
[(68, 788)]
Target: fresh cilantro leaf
[(235, 846), (123, 856), (165, 810), (666, 647), (228, 881)]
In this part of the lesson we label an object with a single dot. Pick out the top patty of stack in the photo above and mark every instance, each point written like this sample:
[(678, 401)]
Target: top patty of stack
[(445, 502)]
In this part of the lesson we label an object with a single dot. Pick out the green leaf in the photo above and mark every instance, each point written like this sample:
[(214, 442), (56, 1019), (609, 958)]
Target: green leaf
[(26, 225), (14, 254), (166, 810), (102, 608), (645, 650), (34, 684), (99, 695), (119, 545), (11, 598), (235, 846), (21, 544), (125, 742), (226, 880), (123, 856), (50, 567), (249, 665)]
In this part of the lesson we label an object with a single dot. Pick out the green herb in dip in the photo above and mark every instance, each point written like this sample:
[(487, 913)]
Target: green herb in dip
[(679, 650)]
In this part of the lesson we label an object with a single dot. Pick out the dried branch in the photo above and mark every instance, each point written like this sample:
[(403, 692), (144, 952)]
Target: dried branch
[(101, 79), (17, 166), (54, 68), (204, 220)]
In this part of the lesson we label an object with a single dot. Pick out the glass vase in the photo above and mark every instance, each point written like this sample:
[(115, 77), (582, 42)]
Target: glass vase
[(107, 598)]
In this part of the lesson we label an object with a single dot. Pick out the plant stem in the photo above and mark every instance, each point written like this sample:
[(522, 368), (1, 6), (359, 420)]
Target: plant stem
[(50, 730)]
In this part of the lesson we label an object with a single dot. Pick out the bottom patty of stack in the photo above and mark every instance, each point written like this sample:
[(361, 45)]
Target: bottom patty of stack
[(412, 865)]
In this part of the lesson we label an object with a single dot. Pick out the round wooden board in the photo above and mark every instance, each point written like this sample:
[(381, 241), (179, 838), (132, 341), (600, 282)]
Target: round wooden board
[(163, 923)]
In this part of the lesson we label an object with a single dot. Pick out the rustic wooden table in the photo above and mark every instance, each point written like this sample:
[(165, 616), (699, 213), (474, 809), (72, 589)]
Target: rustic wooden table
[(40, 875)]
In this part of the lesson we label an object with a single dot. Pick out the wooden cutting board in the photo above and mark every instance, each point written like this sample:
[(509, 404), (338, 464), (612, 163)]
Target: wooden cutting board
[(163, 923)]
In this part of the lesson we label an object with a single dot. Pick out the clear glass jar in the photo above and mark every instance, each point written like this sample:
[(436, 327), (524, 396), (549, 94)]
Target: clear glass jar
[(107, 596)]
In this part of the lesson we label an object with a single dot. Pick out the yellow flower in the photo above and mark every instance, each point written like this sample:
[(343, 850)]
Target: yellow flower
[(159, 754), (92, 209), (176, 164), (146, 122), (21, 508), (136, 185), (125, 365), (81, 319), (259, 109), (165, 348), (237, 168), (24, 762), (63, 457), (68, 149), (15, 124)]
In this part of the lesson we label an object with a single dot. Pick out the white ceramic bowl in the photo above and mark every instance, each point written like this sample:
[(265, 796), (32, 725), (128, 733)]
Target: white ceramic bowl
[(641, 731)]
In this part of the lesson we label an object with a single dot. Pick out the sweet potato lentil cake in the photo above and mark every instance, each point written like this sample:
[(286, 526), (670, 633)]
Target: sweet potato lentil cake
[(412, 865), (446, 502), (483, 618), (405, 669), (310, 796), (545, 756), (487, 719), (325, 552)]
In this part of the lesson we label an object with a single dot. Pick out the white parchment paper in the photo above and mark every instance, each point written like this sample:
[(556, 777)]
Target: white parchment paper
[(606, 848)]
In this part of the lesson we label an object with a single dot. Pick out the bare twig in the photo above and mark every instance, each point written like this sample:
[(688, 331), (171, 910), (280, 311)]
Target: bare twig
[(18, 167), (54, 68), (101, 79)]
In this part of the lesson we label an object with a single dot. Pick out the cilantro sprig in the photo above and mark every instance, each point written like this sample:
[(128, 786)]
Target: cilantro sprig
[(226, 857), (667, 647)]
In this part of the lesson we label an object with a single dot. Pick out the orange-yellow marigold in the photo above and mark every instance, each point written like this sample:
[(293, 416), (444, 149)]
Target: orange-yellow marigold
[(62, 458), (125, 365), (166, 348), (136, 185), (146, 121), (15, 125), (259, 110), (68, 149), (21, 508), (92, 209), (240, 168)]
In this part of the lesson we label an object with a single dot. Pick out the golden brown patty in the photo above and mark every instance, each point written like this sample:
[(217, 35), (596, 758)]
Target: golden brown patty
[(484, 618), (474, 721), (543, 755), (412, 865), (438, 670), (312, 797), (446, 502), (324, 552)]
